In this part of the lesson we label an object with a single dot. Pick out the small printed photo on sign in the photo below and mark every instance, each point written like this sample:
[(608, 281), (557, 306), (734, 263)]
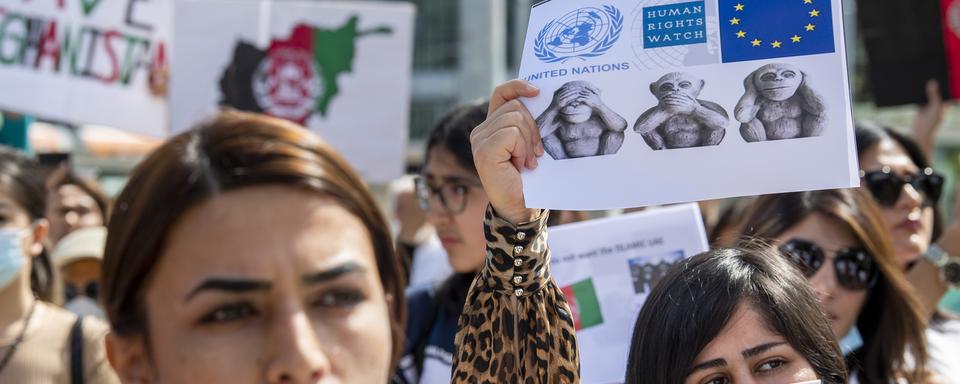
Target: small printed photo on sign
[(648, 271), (584, 305), (578, 123), (780, 103), (680, 119)]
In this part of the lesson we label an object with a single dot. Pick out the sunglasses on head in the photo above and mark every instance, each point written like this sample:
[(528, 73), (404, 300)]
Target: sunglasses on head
[(887, 186), (855, 268)]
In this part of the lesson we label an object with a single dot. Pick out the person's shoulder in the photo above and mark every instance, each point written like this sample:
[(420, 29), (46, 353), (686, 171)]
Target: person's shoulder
[(54, 317), (946, 324), (94, 329), (420, 298)]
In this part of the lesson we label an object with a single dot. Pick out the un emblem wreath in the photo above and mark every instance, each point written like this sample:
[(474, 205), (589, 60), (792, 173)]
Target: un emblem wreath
[(543, 51)]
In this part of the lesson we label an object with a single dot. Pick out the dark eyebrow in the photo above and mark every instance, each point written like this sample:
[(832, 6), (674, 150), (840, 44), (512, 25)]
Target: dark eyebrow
[(333, 273), (750, 352), (715, 363), (229, 285)]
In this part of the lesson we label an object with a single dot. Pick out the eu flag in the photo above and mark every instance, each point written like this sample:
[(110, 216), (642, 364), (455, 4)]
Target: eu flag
[(766, 29)]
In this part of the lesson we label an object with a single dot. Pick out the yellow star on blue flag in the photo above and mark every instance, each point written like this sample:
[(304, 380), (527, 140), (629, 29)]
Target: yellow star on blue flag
[(806, 24)]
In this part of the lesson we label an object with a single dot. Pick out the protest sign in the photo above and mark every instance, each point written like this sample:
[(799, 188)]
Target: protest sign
[(647, 102), (342, 69), (606, 268), (87, 61)]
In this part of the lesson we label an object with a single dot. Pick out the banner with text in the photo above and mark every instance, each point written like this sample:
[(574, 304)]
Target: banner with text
[(87, 61), (607, 267)]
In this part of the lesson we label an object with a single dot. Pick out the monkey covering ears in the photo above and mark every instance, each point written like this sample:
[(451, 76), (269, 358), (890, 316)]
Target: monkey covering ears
[(579, 124), (778, 104), (681, 120)]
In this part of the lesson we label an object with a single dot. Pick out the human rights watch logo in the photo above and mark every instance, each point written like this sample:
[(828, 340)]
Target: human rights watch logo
[(583, 33)]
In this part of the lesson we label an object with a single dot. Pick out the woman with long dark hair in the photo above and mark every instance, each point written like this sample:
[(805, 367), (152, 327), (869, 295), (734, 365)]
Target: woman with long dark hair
[(901, 180), (837, 239), (39, 342), (248, 251), (733, 316)]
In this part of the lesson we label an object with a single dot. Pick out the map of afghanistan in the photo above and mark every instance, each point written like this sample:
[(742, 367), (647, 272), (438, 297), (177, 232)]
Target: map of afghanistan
[(296, 77)]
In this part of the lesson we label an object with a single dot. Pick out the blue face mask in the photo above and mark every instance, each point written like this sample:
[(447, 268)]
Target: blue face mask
[(11, 255), (851, 342)]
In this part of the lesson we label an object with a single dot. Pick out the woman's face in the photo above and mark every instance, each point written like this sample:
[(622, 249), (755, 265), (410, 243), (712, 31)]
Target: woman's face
[(265, 285), (14, 217), (748, 351), (70, 208), (460, 233), (841, 305), (909, 222)]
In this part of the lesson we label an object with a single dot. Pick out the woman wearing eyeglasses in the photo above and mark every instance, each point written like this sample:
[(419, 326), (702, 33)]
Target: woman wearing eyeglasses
[(900, 180), (837, 239), (449, 191)]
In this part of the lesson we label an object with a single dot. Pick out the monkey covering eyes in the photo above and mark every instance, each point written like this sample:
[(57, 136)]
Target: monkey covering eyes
[(681, 120), (579, 124), (778, 104)]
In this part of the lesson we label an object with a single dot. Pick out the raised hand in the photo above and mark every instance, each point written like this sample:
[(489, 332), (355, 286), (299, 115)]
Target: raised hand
[(590, 98), (929, 118), (503, 145)]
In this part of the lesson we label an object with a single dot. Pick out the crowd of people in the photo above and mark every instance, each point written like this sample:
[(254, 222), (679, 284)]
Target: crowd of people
[(248, 250)]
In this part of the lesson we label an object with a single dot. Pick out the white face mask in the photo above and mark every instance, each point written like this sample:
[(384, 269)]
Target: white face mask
[(85, 306), (12, 258)]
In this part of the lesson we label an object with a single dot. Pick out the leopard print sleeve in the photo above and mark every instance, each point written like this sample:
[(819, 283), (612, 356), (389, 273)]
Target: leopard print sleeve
[(516, 326)]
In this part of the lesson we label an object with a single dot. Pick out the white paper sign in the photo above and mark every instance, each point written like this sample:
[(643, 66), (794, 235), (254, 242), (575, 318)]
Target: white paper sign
[(342, 69), (647, 102), (606, 268), (87, 61)]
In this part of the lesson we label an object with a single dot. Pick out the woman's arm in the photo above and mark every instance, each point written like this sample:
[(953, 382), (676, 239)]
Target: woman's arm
[(516, 325)]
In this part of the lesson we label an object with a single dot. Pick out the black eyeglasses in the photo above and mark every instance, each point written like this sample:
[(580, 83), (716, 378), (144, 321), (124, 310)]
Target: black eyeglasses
[(855, 268), (887, 186), (452, 193)]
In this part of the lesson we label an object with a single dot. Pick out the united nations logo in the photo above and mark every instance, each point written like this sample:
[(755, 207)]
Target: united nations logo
[(583, 33), (286, 85)]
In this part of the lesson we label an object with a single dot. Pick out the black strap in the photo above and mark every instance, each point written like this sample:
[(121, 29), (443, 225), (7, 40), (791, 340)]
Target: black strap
[(76, 352), (420, 349)]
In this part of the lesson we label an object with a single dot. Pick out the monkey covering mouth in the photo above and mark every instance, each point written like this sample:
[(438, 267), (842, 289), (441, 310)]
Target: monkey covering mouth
[(779, 104), (681, 120), (578, 124)]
